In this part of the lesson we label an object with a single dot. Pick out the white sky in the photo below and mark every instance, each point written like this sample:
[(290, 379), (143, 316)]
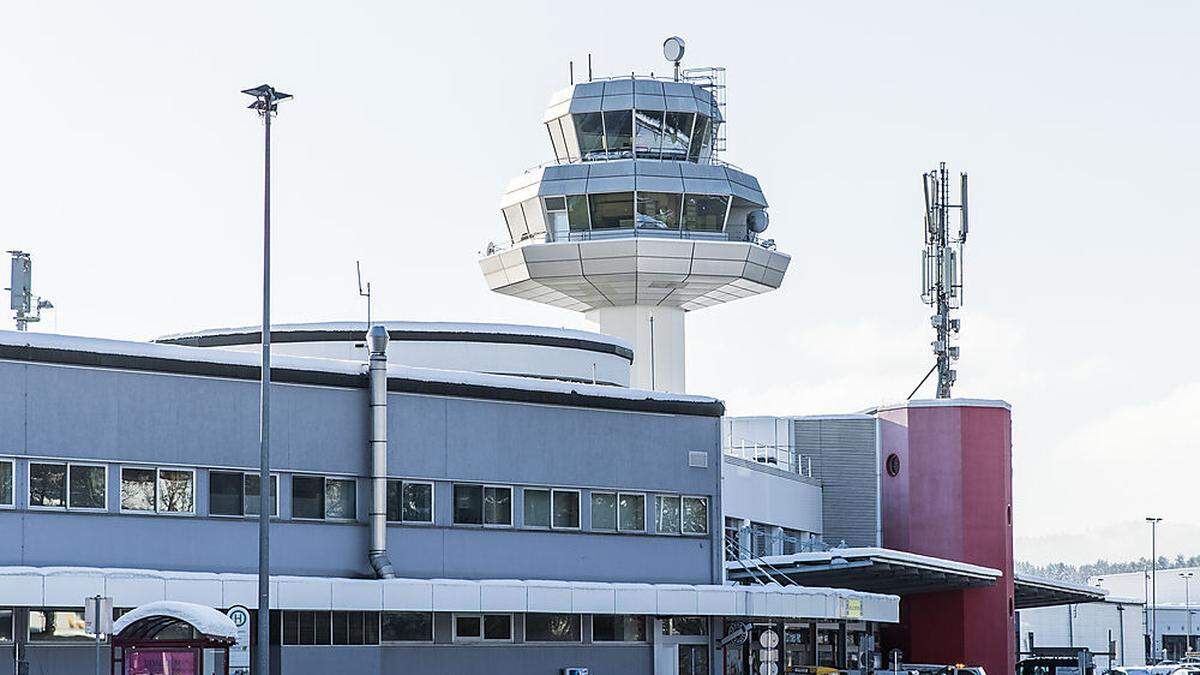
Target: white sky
[(131, 170)]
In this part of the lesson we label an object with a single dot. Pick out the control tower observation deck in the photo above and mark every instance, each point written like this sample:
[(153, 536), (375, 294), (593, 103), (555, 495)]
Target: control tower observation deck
[(636, 222)]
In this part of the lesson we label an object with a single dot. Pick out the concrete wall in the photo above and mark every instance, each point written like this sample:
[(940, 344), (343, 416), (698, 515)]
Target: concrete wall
[(114, 416), (755, 492)]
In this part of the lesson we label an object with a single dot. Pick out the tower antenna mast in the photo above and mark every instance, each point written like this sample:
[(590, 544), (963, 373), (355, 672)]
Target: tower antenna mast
[(941, 268), (364, 294)]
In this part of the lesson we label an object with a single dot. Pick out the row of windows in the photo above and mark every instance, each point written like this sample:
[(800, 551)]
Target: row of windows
[(623, 134), (288, 627), (634, 210), (236, 493)]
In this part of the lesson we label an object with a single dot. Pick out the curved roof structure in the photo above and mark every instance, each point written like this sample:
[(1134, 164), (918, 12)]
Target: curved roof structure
[(149, 620)]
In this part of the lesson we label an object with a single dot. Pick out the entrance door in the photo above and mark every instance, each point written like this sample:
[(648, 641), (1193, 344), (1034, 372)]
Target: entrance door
[(693, 660)]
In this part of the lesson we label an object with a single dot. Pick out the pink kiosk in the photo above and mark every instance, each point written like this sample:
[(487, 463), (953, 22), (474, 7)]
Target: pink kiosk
[(172, 638)]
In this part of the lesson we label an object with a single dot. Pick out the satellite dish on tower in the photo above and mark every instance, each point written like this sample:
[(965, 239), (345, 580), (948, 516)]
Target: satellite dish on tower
[(673, 48)]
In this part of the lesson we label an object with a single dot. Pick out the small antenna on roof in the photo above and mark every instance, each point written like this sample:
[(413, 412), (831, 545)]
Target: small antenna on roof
[(571, 67), (364, 294), (673, 48), (589, 66), (21, 298)]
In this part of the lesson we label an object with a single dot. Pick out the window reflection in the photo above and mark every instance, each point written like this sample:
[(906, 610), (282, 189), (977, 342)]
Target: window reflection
[(589, 129), (137, 489), (676, 134), (700, 138), (577, 213), (175, 492), (618, 133), (649, 135), (47, 484), (657, 211), (704, 213)]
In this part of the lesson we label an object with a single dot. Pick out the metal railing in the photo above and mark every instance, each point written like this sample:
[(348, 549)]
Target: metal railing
[(782, 457), (621, 233)]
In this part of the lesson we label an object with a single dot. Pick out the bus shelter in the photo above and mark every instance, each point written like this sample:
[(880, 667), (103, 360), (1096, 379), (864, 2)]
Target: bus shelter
[(172, 638)]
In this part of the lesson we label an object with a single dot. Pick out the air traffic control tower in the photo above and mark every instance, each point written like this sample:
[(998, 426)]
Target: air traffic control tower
[(637, 221)]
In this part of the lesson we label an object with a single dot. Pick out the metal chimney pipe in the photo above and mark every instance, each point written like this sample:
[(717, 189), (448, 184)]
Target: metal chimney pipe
[(377, 342)]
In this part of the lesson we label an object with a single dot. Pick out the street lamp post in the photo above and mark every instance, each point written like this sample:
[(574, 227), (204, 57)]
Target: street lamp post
[(266, 99), (1187, 607), (1154, 521)]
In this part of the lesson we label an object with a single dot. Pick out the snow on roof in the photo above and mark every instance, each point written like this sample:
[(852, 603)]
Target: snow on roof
[(206, 620), (306, 363), (410, 326)]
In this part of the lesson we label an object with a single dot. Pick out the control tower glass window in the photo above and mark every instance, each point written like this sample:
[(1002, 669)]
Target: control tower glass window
[(704, 213), (612, 211), (677, 132), (558, 140), (649, 136), (618, 133), (589, 128), (700, 138), (657, 211)]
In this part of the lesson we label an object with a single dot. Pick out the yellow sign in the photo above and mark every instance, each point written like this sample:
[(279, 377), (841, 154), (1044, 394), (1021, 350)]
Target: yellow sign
[(852, 608)]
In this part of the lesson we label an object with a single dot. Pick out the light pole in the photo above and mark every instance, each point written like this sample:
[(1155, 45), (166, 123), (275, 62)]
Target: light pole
[(266, 99), (1154, 521), (1187, 607)]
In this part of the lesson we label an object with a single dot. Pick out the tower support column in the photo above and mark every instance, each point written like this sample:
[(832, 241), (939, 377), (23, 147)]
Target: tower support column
[(657, 336)]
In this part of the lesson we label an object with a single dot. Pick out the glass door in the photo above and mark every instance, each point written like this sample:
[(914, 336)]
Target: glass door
[(693, 660)]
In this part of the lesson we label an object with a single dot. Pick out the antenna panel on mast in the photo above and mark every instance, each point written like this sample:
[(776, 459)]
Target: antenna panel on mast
[(945, 231)]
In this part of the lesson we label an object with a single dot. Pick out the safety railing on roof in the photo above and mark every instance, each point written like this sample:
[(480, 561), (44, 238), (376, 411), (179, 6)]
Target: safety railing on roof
[(621, 233), (781, 457)]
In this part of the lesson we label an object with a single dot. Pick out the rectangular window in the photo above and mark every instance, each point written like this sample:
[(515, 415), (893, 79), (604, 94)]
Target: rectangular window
[(612, 210), (685, 625), (657, 211), (176, 491), (566, 509), (577, 213), (7, 494), (47, 485), (618, 628), (705, 213), (409, 502), (306, 627), (667, 514), (235, 493), (700, 138), (794, 541), (355, 628), (556, 217), (552, 628), (137, 489), (537, 508), (58, 625), (677, 132), (88, 487), (631, 512), (308, 497), (6, 625), (604, 511), (618, 133), (341, 499), (695, 515), (589, 129), (406, 627), (482, 505), (648, 133), (476, 627)]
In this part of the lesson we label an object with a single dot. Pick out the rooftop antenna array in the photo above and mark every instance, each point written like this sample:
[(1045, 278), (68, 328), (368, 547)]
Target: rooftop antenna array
[(941, 269), (21, 298), (364, 293)]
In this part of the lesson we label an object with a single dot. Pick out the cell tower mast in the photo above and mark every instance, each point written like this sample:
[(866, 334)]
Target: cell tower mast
[(941, 267), (28, 307)]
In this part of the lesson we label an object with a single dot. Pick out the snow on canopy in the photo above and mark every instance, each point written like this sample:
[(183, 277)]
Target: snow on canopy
[(206, 620)]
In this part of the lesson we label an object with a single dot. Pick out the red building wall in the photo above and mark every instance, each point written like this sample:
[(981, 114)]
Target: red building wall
[(952, 498)]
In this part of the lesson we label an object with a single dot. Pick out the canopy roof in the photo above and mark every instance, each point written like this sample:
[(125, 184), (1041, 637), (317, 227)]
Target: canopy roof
[(146, 622)]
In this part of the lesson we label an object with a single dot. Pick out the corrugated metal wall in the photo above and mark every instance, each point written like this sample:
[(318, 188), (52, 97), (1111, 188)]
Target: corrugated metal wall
[(844, 457)]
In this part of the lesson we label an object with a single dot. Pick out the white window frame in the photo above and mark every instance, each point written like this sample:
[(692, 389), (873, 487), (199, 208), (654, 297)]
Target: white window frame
[(616, 510), (630, 529), (578, 509), (29, 484), (66, 486), (12, 489), (432, 501), (549, 502), (121, 479), (210, 472), (93, 509), (658, 510), (707, 513), (482, 630), (325, 487), (158, 492), (483, 508)]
